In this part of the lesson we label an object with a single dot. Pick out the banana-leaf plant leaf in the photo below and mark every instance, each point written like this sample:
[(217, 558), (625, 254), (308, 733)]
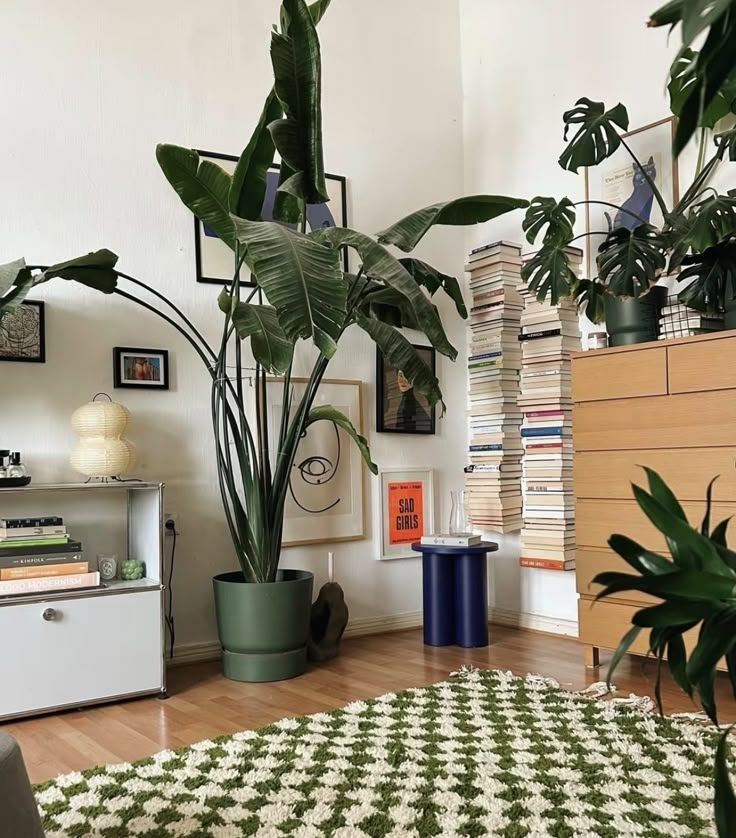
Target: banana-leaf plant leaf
[(301, 279), (726, 144), (558, 216), (379, 264), (390, 306), (631, 261), (270, 346), (549, 275), (432, 279), (297, 67), (590, 298), (713, 221), (682, 79), (203, 186), (473, 209), (597, 136), (95, 270), (328, 413), (317, 10), (712, 276), (16, 280), (403, 356)]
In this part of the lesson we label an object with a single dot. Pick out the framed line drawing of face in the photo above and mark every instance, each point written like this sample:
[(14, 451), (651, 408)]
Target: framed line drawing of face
[(23, 333), (325, 498), (214, 259), (400, 409)]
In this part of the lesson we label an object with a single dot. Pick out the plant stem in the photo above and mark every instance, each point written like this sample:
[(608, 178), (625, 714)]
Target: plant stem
[(657, 195)]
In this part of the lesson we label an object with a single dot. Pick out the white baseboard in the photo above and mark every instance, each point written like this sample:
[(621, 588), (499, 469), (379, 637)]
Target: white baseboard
[(209, 650)]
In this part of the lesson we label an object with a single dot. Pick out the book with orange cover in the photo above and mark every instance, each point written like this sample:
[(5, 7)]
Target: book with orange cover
[(41, 571), (12, 587)]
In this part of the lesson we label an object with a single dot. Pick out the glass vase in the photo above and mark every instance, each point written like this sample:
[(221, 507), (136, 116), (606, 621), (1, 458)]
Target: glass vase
[(459, 523)]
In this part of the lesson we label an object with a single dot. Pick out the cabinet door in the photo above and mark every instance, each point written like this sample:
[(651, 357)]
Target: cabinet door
[(703, 365), (619, 375), (94, 648)]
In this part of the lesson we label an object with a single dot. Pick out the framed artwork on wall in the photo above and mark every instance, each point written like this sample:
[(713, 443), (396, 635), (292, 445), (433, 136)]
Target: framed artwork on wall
[(399, 408), (325, 499), (618, 181), (215, 259), (406, 510), (23, 334), (146, 369)]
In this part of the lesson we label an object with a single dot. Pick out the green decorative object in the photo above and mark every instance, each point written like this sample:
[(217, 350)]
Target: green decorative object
[(132, 569), (484, 753)]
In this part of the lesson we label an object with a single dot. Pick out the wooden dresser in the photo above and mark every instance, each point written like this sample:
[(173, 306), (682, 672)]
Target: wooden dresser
[(669, 405)]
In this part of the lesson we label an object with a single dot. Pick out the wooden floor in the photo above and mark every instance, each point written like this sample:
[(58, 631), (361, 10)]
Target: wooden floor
[(203, 704)]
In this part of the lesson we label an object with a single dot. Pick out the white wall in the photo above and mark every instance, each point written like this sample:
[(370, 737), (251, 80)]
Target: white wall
[(524, 63), (88, 89)]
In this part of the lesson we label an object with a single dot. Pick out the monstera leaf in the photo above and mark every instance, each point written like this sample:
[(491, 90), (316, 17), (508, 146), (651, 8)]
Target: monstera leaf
[(683, 78), (379, 264), (300, 277), (596, 138), (403, 356), (713, 221), (559, 216), (297, 67), (549, 275), (590, 298), (328, 413), (474, 209), (432, 279), (203, 186), (712, 275), (631, 261), (270, 346)]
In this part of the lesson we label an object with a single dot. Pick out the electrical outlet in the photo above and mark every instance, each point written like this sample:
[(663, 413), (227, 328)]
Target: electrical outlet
[(171, 516)]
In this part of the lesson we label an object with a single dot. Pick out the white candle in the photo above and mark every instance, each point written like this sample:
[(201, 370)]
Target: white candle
[(330, 566)]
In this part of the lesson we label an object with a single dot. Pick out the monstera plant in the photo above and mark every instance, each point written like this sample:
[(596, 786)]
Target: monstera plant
[(697, 589), (287, 289)]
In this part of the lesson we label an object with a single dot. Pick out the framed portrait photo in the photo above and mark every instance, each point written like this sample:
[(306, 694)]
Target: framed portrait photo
[(215, 259), (23, 334), (325, 497), (400, 409), (618, 180), (406, 510), (142, 368)]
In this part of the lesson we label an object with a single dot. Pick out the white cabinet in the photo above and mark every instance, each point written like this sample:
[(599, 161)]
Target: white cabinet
[(68, 649)]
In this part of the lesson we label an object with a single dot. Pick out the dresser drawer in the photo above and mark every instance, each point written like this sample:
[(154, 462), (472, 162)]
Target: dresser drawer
[(589, 563), (702, 365), (609, 474), (96, 647), (688, 420), (597, 520), (619, 375)]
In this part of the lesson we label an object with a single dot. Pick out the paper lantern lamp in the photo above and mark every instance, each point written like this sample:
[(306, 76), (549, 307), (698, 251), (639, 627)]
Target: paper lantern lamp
[(102, 450)]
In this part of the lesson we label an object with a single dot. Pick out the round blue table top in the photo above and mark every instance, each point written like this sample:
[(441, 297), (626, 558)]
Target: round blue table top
[(474, 549)]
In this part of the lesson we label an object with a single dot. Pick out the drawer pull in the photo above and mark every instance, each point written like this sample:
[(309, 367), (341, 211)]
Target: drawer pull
[(49, 614)]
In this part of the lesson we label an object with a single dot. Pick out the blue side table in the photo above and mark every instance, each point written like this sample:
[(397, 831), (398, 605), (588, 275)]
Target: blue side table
[(455, 593)]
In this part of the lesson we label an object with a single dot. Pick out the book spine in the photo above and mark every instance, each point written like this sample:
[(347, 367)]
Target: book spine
[(43, 570), (14, 560), (449, 541), (52, 583), (532, 432), (15, 523), (26, 532), (44, 548), (544, 333), (546, 564)]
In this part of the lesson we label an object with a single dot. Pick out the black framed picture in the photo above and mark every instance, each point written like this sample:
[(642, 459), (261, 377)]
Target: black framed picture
[(400, 409), (215, 259), (23, 334), (142, 368)]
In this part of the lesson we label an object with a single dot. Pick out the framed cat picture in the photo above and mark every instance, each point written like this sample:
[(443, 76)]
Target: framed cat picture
[(618, 180)]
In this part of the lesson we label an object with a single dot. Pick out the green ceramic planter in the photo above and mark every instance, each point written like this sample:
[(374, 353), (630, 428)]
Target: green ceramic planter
[(634, 320), (263, 628)]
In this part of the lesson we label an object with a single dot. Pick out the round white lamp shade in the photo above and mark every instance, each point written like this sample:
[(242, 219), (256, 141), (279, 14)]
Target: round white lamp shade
[(101, 451)]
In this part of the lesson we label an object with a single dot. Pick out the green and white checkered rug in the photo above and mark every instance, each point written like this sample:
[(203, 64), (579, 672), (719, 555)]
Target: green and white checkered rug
[(484, 753)]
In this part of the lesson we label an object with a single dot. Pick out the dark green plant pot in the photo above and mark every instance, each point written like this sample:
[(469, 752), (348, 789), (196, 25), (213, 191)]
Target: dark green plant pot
[(263, 627), (634, 320)]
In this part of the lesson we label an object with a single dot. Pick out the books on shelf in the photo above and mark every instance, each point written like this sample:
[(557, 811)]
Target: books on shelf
[(38, 571), (42, 584)]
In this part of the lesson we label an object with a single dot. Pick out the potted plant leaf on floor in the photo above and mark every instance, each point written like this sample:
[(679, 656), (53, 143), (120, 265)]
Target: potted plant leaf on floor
[(300, 294)]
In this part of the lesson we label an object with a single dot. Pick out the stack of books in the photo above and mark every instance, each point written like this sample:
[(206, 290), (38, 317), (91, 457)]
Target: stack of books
[(549, 335), (494, 359), (679, 321), (38, 555)]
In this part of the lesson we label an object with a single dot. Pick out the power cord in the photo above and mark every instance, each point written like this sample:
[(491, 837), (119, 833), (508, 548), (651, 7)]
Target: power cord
[(169, 615)]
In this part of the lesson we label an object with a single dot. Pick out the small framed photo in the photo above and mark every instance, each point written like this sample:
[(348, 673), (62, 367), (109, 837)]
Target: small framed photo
[(215, 259), (406, 510), (22, 334), (144, 368), (400, 409)]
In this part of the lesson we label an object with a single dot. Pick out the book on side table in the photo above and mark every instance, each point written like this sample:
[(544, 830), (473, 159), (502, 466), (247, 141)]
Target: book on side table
[(447, 540)]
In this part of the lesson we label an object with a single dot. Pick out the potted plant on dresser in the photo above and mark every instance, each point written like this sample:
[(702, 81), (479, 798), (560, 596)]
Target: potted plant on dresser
[(299, 293)]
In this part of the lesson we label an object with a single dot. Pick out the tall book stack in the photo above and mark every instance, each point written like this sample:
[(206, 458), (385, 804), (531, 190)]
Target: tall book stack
[(548, 337), (37, 555), (494, 359), (679, 321)]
